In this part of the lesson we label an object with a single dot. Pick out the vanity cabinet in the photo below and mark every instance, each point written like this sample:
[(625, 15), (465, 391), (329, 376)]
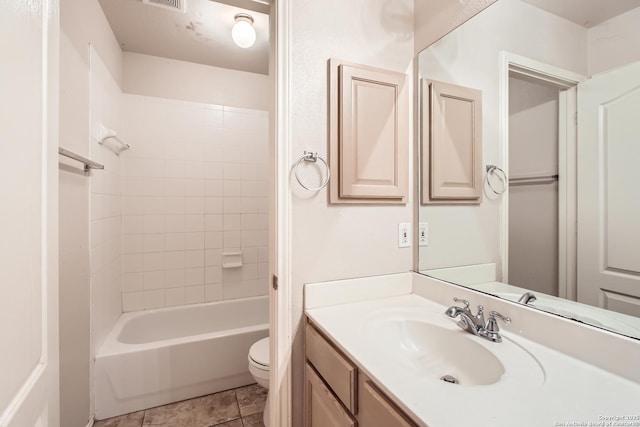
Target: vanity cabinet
[(338, 393)]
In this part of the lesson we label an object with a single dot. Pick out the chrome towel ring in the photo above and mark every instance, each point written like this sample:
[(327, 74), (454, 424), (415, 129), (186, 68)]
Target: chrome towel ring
[(493, 169), (310, 156)]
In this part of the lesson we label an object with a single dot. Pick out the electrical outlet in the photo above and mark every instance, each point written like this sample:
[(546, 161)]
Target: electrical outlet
[(423, 234), (404, 235)]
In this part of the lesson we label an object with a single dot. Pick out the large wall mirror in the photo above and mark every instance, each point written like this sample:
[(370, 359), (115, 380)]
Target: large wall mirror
[(559, 230)]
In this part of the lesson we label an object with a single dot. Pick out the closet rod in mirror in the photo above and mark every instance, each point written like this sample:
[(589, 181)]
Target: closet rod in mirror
[(532, 179)]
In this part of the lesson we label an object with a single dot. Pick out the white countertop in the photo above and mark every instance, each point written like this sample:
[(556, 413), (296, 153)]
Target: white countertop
[(569, 391)]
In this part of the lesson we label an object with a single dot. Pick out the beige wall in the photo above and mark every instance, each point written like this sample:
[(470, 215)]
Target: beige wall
[(169, 78), (435, 18), (614, 43), (82, 22), (335, 242)]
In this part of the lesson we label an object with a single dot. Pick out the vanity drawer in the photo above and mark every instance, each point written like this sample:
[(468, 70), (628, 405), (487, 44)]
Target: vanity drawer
[(376, 410), (323, 409), (337, 371)]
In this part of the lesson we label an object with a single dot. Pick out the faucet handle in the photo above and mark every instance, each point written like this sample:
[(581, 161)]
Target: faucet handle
[(479, 317), (505, 319), (492, 324), (491, 331), (464, 301)]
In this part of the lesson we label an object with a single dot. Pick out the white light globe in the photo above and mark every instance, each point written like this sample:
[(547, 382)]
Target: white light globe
[(243, 33)]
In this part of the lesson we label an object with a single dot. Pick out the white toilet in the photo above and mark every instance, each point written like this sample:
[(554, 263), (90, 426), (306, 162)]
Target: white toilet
[(259, 368)]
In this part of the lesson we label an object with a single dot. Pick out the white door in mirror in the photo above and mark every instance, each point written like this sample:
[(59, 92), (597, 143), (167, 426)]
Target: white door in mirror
[(608, 194)]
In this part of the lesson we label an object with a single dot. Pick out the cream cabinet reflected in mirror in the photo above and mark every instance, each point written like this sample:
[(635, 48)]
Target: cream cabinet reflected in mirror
[(560, 83), (452, 143)]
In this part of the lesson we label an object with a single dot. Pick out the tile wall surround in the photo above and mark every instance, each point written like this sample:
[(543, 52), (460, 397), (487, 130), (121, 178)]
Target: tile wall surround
[(105, 204), (195, 186)]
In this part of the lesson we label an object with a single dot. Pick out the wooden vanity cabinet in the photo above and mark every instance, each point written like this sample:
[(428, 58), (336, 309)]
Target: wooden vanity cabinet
[(338, 394)]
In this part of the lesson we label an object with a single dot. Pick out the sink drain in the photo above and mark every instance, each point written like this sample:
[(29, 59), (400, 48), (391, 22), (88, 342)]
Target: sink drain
[(449, 379)]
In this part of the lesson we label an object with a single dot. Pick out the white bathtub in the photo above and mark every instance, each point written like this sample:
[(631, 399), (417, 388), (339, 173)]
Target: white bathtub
[(155, 357)]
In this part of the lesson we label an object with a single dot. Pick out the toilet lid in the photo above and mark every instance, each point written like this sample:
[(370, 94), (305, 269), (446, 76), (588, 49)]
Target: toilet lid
[(259, 352)]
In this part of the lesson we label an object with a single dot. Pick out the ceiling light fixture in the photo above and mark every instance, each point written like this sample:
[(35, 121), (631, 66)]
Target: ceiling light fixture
[(243, 33)]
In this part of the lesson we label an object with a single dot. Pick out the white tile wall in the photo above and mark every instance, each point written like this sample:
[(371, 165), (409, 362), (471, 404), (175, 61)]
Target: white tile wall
[(194, 186), (106, 205)]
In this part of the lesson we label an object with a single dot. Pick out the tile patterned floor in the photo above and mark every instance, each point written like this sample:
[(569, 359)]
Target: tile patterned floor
[(240, 407)]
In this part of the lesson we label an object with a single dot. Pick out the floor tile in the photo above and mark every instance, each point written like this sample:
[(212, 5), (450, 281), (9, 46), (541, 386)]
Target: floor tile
[(199, 412), (254, 420), (251, 399), (130, 420)]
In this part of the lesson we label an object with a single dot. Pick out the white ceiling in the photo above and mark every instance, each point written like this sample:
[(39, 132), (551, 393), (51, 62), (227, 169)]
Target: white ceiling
[(202, 34), (586, 12)]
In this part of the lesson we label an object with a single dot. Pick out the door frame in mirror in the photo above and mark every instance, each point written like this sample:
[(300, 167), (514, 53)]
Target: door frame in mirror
[(567, 81)]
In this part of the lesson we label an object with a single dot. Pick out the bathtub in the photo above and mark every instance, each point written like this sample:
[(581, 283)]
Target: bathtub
[(160, 356)]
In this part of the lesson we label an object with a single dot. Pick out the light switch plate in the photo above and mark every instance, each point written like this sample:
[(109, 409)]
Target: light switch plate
[(423, 234), (404, 234)]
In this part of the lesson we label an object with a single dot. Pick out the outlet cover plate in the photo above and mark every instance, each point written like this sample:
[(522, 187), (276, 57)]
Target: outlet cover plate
[(423, 234), (404, 234)]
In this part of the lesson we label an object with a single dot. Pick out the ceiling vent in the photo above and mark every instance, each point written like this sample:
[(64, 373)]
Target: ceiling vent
[(177, 5)]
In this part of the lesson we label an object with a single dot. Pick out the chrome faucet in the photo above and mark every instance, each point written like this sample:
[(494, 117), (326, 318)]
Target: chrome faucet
[(475, 324), (526, 298)]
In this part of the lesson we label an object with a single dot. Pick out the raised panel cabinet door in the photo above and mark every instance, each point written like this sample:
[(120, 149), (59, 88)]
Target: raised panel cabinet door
[(369, 139), (455, 142), (377, 411), (322, 408)]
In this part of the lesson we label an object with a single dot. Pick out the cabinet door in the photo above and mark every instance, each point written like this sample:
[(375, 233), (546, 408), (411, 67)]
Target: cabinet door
[(451, 143), (369, 139), (377, 411), (323, 409), (337, 371)]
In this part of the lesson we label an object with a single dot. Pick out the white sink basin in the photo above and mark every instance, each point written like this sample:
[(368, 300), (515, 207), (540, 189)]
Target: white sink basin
[(433, 346), (442, 352)]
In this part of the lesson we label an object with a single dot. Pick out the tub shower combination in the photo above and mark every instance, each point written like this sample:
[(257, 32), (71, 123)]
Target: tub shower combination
[(156, 357)]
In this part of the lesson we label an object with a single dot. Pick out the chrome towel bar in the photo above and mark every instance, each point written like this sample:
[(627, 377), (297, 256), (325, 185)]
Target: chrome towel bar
[(88, 164)]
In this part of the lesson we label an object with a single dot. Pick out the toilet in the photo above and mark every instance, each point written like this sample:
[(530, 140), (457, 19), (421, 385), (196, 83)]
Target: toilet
[(259, 368)]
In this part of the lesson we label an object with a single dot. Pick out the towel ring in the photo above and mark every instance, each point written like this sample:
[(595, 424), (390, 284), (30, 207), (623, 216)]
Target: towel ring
[(310, 156), (503, 176)]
